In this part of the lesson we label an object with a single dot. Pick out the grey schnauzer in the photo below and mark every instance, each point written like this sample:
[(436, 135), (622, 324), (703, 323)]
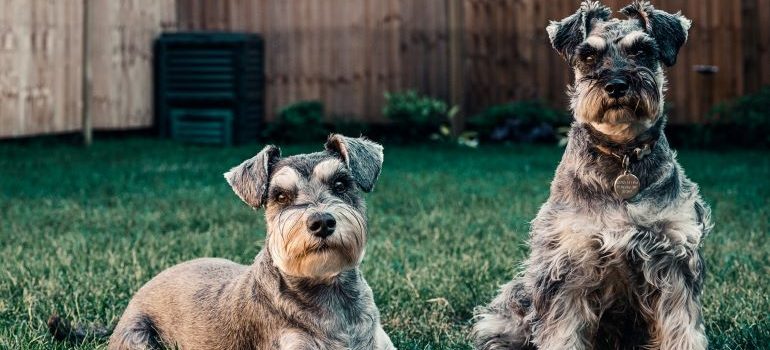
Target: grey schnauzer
[(304, 289), (614, 261)]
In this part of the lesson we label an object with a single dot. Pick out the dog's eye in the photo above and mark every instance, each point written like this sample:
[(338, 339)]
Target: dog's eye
[(283, 198), (340, 186), (588, 54)]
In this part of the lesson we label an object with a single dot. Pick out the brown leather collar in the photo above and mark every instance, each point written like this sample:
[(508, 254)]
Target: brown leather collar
[(634, 150)]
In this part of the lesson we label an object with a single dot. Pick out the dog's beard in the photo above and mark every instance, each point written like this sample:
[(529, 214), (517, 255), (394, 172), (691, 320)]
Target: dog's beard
[(298, 253), (642, 103)]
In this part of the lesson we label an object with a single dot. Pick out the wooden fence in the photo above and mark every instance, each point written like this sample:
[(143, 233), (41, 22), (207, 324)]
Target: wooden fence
[(41, 63), (346, 53)]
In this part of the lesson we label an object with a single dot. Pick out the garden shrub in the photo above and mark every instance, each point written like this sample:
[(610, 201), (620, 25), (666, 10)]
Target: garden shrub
[(743, 122), (415, 115), (520, 121), (299, 122)]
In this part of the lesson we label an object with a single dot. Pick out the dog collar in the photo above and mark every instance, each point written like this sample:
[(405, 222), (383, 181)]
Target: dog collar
[(634, 150), (626, 185)]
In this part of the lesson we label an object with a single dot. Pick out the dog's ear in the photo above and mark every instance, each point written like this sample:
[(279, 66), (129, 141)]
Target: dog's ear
[(251, 178), (363, 158), (668, 30), (568, 33)]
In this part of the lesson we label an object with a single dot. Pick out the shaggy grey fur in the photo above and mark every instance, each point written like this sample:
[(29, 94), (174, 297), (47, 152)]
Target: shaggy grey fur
[(303, 291), (607, 273)]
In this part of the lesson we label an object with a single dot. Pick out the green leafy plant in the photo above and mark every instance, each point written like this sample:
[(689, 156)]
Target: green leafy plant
[(418, 116), (299, 122), (468, 138)]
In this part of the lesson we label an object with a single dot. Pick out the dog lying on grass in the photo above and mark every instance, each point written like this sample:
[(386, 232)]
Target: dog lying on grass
[(304, 289)]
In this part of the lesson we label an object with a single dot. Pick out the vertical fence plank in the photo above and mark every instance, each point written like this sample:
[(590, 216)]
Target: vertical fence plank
[(763, 45), (39, 67), (750, 39), (121, 56), (11, 32)]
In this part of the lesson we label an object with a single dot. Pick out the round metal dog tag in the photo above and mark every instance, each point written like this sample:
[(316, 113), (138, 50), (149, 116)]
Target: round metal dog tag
[(626, 185)]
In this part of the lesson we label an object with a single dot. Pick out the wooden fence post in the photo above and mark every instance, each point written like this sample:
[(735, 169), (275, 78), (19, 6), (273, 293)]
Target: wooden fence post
[(456, 71), (86, 77)]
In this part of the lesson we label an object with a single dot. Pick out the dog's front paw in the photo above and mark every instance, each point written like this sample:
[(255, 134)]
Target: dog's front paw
[(294, 339), (382, 341), (494, 331)]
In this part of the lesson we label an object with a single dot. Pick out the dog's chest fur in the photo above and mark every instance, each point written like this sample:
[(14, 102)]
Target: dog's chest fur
[(328, 317), (584, 236), (603, 248)]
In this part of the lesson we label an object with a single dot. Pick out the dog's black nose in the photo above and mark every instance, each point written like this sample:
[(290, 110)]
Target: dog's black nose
[(321, 224), (616, 88)]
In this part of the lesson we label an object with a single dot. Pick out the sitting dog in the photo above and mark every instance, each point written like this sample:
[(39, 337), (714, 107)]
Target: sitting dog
[(304, 289), (614, 261)]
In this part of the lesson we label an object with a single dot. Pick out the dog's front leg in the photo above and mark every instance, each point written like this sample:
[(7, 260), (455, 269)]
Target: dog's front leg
[(671, 272), (565, 319), (677, 320), (678, 323), (501, 324)]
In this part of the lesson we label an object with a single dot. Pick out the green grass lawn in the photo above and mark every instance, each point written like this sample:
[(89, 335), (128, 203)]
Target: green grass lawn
[(81, 230)]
